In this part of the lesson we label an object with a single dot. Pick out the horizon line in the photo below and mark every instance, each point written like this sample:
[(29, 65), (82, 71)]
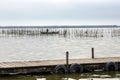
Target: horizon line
[(65, 25)]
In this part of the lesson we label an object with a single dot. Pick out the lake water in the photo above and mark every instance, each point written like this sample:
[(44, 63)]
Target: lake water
[(84, 76), (30, 45)]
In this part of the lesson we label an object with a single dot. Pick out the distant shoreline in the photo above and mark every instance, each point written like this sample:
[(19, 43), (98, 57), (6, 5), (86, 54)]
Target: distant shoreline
[(84, 26)]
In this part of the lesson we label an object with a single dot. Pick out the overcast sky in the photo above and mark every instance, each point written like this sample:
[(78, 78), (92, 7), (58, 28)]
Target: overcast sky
[(59, 12)]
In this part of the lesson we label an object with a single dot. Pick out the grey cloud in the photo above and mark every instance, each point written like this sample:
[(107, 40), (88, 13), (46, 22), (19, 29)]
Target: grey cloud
[(72, 11)]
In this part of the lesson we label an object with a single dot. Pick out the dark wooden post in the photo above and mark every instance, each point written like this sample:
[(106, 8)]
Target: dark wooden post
[(67, 61), (92, 53)]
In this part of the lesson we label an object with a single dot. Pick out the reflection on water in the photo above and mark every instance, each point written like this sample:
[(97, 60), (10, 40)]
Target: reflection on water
[(41, 79), (84, 76), (89, 79), (22, 44)]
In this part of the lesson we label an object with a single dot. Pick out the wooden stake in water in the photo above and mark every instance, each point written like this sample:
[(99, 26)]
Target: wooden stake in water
[(92, 53), (67, 61)]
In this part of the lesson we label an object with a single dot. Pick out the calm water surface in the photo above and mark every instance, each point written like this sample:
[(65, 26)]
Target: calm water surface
[(78, 41)]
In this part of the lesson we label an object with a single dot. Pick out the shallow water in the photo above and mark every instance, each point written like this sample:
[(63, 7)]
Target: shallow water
[(78, 41), (84, 76)]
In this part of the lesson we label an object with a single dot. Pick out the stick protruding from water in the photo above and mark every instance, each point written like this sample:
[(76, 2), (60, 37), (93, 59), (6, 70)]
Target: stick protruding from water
[(67, 61), (92, 53)]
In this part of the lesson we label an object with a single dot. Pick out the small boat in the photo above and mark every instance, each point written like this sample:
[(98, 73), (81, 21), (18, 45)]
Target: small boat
[(53, 32), (50, 32)]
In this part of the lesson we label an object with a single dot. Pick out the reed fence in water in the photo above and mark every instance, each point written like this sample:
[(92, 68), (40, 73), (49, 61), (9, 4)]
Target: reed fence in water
[(63, 32)]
